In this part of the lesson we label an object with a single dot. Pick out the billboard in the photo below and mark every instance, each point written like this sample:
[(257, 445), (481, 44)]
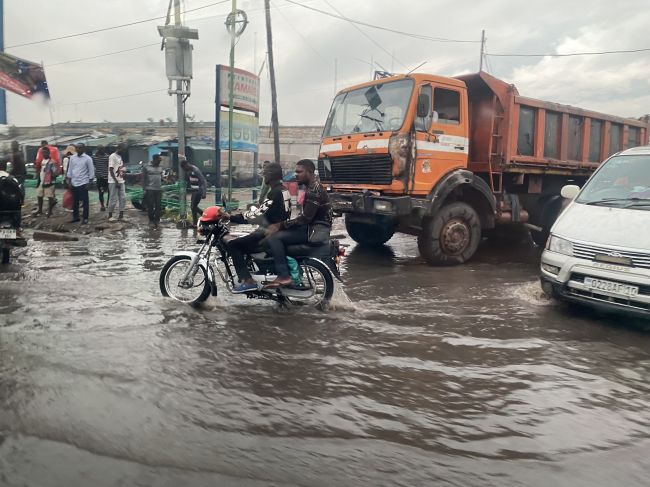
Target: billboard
[(244, 133), (246, 89), (22, 77)]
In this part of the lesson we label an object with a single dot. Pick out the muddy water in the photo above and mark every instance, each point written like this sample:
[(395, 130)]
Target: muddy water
[(463, 376)]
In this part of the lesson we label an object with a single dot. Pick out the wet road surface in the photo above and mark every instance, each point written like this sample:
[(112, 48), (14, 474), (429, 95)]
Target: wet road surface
[(459, 376)]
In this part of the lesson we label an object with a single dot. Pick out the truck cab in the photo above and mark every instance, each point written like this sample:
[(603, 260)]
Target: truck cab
[(386, 146)]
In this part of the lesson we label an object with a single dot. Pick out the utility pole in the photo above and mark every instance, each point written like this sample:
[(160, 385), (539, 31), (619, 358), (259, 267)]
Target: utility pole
[(274, 96), (231, 101), (480, 66), (180, 125), (178, 65), (3, 93)]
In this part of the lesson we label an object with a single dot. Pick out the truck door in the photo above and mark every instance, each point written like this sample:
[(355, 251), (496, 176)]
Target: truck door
[(441, 135)]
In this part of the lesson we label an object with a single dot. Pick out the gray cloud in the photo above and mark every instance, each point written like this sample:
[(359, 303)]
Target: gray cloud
[(615, 84)]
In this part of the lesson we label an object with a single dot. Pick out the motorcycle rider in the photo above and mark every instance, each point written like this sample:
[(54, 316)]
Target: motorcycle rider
[(275, 209), (312, 226)]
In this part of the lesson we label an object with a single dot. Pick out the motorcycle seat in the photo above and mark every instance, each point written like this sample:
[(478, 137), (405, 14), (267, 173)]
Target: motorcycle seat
[(306, 250)]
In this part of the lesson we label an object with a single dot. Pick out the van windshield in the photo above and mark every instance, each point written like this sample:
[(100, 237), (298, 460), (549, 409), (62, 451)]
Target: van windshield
[(371, 109), (623, 181)]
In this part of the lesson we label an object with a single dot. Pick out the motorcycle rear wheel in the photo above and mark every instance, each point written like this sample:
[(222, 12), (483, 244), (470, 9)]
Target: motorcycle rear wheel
[(170, 281), (317, 276)]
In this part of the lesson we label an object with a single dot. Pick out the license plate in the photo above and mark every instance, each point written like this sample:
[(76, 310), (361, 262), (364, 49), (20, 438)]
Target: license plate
[(8, 233), (611, 287)]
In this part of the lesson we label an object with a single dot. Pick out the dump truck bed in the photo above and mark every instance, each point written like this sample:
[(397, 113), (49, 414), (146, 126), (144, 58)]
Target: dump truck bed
[(513, 133)]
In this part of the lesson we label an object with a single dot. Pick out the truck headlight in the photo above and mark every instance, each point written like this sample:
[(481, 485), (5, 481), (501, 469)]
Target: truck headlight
[(560, 245)]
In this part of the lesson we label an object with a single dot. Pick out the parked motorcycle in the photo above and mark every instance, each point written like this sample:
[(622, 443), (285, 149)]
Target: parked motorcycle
[(190, 277), (11, 200)]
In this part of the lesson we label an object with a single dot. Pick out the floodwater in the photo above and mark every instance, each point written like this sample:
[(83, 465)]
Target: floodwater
[(461, 376)]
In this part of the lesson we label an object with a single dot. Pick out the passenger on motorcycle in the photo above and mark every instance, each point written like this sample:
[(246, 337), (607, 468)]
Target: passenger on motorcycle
[(275, 209), (312, 226)]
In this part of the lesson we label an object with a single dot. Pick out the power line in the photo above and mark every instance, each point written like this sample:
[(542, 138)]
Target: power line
[(158, 43), (103, 55), (366, 24), (111, 98), (111, 28), (353, 24), (298, 32), (569, 54)]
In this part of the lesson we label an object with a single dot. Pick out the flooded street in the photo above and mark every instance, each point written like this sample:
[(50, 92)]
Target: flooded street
[(462, 376)]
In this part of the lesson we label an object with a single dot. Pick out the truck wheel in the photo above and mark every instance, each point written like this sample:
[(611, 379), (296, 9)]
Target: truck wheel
[(451, 236), (370, 234)]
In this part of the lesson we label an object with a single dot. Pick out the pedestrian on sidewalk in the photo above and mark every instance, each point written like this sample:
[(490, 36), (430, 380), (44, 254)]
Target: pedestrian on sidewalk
[(265, 188), (152, 184), (196, 185), (116, 189), (18, 169), (67, 154), (100, 160), (54, 152), (46, 172), (80, 173)]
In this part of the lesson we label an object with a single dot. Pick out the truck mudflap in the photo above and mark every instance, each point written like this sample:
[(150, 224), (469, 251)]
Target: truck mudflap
[(372, 204)]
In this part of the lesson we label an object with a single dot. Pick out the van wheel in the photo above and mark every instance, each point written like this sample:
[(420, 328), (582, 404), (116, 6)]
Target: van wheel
[(451, 236), (370, 234)]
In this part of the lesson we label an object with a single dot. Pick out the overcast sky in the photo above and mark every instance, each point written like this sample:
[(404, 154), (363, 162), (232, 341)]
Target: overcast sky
[(307, 44)]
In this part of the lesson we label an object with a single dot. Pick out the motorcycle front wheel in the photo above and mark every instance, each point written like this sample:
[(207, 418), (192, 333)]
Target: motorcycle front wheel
[(197, 288)]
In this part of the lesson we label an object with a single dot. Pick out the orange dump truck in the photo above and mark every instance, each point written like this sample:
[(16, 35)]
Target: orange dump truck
[(448, 158)]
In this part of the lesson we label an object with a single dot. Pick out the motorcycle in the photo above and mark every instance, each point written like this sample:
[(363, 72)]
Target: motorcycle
[(10, 207), (190, 277)]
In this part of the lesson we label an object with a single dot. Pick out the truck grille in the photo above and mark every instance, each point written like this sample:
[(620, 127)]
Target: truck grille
[(639, 259), (366, 169)]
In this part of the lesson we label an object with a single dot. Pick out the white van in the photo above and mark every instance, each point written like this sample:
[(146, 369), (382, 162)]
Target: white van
[(598, 252)]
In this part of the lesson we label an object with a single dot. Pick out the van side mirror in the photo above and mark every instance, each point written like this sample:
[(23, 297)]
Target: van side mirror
[(570, 191), (424, 105)]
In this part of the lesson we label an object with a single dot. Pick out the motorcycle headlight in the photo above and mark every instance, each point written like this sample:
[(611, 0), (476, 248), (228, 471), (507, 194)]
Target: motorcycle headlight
[(559, 245)]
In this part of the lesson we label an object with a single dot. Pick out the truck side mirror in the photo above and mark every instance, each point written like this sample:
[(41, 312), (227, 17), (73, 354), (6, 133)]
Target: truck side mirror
[(570, 191), (424, 105)]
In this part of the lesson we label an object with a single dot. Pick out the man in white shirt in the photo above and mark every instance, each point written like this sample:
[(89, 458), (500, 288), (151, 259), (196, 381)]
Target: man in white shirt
[(81, 172), (116, 189)]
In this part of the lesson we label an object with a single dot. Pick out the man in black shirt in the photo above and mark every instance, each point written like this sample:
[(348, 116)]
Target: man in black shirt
[(316, 211), (274, 210), (18, 170)]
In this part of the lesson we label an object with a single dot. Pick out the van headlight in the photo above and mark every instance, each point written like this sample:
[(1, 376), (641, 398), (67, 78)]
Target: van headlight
[(559, 245)]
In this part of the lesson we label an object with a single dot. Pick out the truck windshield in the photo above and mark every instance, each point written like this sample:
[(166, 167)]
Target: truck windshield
[(371, 109), (623, 181)]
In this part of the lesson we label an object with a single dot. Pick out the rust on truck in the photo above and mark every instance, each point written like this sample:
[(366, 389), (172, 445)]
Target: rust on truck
[(446, 158)]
